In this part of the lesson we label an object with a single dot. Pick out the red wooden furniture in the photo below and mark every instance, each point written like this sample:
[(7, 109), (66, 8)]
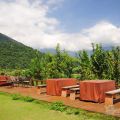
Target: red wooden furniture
[(94, 90), (54, 86)]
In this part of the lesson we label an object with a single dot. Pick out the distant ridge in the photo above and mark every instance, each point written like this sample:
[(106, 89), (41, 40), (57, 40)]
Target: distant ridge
[(71, 53), (14, 54), (51, 50)]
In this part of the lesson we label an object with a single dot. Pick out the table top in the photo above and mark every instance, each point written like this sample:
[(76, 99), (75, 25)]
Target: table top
[(96, 81), (2, 80), (61, 79)]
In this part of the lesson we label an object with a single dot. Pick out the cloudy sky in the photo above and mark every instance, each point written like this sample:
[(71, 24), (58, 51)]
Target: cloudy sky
[(75, 24)]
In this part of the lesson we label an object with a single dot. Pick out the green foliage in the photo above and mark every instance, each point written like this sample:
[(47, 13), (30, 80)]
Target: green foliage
[(74, 111), (116, 63), (69, 111), (106, 64), (28, 99), (58, 106), (13, 54), (24, 98), (32, 111), (84, 66), (99, 62), (37, 67), (19, 60), (77, 112), (46, 66), (16, 97)]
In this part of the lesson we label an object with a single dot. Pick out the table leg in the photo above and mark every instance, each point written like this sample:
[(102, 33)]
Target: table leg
[(64, 93)]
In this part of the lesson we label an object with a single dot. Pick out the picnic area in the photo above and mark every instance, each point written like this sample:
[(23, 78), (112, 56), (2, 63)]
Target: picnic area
[(89, 95)]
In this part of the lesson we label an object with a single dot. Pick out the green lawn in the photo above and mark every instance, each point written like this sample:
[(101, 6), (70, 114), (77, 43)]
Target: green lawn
[(21, 110)]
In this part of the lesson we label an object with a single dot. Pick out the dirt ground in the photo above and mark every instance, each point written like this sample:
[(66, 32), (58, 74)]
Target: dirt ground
[(90, 106)]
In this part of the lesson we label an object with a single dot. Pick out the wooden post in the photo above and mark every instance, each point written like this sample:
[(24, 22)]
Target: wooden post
[(64, 93), (109, 99), (38, 90), (72, 95)]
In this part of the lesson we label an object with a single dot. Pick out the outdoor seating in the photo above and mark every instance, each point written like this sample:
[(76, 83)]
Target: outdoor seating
[(36, 82), (16, 81), (20, 81), (3, 80), (94, 90), (26, 82), (74, 92), (110, 97), (66, 89), (10, 81), (41, 88), (54, 86)]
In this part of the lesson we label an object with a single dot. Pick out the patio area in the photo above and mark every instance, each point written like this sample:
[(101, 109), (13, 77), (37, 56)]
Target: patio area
[(90, 106)]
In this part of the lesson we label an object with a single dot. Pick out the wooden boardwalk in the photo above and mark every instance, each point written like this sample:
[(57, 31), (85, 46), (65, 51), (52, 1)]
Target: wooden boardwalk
[(90, 106)]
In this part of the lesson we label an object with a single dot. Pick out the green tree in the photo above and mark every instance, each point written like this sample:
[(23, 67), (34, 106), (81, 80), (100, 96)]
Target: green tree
[(37, 66), (116, 63), (100, 66), (84, 65)]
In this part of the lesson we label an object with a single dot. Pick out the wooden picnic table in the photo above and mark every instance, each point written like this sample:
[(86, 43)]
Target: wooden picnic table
[(4, 79), (94, 90), (54, 86)]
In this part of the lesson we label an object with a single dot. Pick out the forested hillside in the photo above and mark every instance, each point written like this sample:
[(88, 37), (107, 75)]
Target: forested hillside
[(14, 54)]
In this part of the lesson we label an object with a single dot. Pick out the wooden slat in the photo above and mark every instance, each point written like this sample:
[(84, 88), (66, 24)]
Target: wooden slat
[(72, 86), (113, 92), (44, 85), (75, 89)]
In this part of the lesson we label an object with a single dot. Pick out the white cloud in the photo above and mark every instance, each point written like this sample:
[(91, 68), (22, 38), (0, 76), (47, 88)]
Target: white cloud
[(28, 22), (55, 3)]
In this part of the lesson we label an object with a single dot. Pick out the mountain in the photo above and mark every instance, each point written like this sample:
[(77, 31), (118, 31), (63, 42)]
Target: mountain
[(53, 51), (14, 54), (72, 53)]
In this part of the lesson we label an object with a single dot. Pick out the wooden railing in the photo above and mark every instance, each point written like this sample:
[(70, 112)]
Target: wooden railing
[(35, 82)]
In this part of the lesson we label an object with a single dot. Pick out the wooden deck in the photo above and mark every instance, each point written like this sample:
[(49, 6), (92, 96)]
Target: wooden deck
[(90, 106)]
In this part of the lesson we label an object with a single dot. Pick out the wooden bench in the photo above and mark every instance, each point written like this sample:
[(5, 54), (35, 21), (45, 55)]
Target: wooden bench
[(26, 83), (110, 97), (73, 93), (66, 89), (41, 88)]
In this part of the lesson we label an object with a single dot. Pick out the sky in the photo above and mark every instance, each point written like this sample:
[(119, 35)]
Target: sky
[(74, 24)]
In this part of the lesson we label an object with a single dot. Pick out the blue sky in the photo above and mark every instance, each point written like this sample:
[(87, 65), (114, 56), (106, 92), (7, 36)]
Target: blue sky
[(74, 24), (78, 14)]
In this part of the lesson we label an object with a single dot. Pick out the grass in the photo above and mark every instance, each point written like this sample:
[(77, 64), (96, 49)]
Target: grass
[(16, 107)]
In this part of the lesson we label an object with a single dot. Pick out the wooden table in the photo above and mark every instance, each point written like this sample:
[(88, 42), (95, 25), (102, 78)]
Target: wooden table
[(94, 90), (54, 86)]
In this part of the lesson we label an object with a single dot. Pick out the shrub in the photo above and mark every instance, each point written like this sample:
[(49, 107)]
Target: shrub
[(16, 97), (76, 112), (58, 106), (19, 97), (37, 101), (27, 99), (69, 111)]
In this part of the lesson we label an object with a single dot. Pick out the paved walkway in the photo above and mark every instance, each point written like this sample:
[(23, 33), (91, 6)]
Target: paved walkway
[(90, 106)]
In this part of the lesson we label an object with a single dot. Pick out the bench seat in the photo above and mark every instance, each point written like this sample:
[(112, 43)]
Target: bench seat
[(69, 87), (113, 92), (74, 92), (41, 88), (66, 89), (110, 96)]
